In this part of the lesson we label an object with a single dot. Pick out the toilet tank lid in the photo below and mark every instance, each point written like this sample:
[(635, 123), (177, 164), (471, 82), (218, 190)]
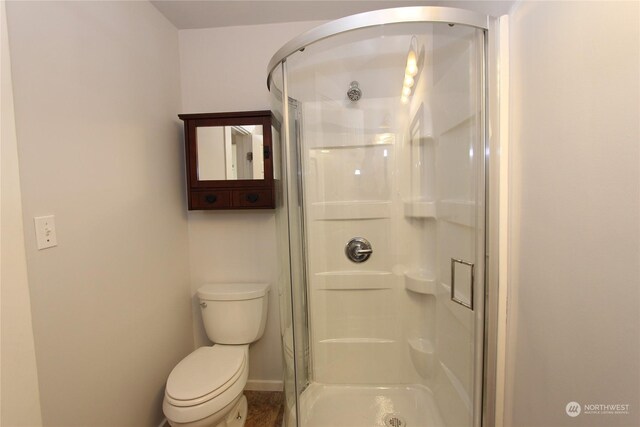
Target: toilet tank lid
[(232, 291)]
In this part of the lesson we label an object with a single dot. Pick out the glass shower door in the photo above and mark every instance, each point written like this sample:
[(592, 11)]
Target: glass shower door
[(386, 193)]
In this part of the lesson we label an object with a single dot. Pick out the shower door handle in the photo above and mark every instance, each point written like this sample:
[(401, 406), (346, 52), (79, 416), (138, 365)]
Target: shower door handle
[(471, 266)]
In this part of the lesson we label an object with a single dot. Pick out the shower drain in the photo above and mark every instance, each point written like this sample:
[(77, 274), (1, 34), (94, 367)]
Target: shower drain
[(394, 420)]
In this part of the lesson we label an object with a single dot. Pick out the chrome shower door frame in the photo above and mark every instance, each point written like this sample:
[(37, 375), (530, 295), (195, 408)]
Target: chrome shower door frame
[(426, 14)]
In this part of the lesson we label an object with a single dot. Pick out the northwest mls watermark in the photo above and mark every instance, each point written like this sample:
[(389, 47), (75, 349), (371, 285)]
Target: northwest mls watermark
[(573, 409)]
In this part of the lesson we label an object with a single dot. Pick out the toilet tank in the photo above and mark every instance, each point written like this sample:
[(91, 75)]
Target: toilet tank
[(234, 313)]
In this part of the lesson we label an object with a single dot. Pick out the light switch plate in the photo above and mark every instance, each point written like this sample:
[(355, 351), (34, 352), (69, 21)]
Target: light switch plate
[(45, 231)]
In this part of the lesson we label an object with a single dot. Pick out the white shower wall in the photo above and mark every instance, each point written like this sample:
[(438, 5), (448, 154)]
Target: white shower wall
[(350, 163), (351, 190)]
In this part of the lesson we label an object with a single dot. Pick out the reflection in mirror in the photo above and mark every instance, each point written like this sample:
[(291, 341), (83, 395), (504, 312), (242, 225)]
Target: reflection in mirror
[(230, 152)]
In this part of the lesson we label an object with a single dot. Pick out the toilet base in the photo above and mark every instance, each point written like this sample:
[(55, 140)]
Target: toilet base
[(236, 416)]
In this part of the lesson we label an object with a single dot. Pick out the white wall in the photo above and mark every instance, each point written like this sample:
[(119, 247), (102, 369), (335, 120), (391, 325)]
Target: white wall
[(20, 401), (225, 69), (575, 212), (96, 88)]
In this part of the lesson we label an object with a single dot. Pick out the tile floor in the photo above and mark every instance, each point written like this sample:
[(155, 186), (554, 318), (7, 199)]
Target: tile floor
[(266, 408)]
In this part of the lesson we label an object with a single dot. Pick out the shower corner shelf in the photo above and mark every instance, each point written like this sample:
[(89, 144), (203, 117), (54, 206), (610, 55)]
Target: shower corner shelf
[(420, 282), (419, 209), (422, 355)]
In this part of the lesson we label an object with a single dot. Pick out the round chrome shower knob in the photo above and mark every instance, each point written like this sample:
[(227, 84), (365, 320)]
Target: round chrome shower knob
[(358, 249)]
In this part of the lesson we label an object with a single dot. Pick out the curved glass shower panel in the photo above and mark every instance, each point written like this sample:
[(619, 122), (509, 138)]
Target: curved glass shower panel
[(291, 273), (388, 138)]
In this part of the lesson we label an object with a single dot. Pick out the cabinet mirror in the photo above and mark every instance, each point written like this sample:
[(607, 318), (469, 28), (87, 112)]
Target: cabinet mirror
[(230, 152)]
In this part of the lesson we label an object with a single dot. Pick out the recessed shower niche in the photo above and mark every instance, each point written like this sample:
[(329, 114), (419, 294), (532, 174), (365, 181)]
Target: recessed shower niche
[(397, 163)]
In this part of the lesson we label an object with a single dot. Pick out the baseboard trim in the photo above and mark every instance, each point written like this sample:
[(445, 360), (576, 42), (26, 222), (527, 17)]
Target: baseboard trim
[(264, 385)]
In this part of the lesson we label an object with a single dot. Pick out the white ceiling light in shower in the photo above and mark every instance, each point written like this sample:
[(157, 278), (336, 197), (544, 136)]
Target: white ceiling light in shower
[(408, 80), (412, 62), (411, 70)]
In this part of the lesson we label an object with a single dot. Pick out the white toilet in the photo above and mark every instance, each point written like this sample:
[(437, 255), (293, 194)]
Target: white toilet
[(205, 388)]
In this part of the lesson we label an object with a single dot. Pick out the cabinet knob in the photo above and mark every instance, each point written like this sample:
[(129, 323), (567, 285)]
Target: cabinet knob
[(210, 198), (252, 197)]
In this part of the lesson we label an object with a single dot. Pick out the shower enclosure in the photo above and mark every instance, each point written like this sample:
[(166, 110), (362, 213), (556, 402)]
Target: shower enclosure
[(381, 218)]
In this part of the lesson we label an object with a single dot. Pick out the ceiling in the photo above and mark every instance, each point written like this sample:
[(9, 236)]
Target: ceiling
[(189, 14)]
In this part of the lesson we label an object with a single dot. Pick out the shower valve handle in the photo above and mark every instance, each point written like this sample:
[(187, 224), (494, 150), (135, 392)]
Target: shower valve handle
[(358, 249), (363, 251)]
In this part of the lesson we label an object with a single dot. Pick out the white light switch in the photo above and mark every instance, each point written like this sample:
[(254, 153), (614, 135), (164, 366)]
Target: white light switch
[(45, 231)]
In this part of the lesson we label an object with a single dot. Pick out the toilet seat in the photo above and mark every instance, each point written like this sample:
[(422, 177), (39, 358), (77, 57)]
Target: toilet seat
[(204, 374), (206, 381)]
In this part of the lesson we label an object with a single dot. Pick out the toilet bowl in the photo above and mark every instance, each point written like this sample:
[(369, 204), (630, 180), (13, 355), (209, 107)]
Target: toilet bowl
[(205, 388)]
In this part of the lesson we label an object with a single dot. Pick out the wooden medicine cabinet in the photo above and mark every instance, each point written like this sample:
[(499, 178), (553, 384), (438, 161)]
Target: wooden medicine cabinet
[(230, 160)]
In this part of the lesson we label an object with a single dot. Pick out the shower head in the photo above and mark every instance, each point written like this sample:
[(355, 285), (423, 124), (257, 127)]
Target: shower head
[(354, 93)]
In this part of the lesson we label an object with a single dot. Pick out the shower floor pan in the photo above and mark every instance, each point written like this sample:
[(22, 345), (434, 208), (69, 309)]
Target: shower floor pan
[(323, 405)]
